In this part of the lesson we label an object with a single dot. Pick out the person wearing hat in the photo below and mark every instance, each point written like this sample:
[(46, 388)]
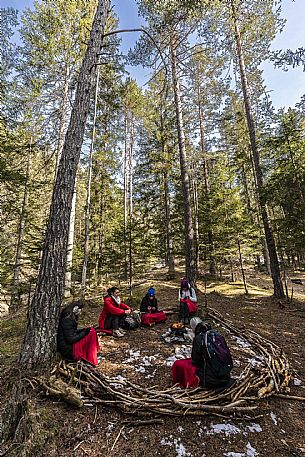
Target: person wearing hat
[(187, 301), (72, 343), (201, 359), (197, 370), (150, 313)]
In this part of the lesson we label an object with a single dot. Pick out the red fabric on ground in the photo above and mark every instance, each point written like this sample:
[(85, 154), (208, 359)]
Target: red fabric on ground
[(150, 318), (87, 348), (192, 306), (184, 374)]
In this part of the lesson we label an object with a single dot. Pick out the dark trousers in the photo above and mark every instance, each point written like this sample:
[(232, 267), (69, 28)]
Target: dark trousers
[(184, 314), (113, 322)]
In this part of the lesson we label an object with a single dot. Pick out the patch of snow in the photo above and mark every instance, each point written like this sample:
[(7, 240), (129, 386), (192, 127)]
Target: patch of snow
[(251, 452), (118, 382), (297, 382), (241, 342), (180, 429), (133, 355), (227, 429), (148, 359), (140, 369), (152, 375), (254, 428), (182, 352), (273, 417), (256, 361), (179, 446), (110, 428), (234, 454), (170, 361)]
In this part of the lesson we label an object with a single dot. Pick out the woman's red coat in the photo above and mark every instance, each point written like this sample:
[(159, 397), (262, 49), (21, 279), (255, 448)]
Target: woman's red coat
[(111, 307)]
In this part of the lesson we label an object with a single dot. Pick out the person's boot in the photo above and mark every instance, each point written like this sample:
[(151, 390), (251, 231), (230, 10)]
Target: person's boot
[(117, 334)]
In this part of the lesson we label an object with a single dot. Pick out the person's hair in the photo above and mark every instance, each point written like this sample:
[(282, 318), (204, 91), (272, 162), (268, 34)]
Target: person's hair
[(202, 327), (185, 284), (68, 310), (111, 290)]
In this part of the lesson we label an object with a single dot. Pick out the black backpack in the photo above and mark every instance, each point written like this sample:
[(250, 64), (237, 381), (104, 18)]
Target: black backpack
[(217, 352), (132, 321)]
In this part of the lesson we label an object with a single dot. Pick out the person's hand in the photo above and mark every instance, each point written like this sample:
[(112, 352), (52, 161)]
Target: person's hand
[(127, 311), (153, 308), (149, 308)]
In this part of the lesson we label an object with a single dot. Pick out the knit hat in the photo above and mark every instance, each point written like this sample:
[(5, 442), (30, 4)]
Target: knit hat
[(194, 322), (151, 291)]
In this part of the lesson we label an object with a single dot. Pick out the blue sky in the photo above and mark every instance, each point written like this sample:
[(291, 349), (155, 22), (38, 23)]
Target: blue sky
[(285, 88)]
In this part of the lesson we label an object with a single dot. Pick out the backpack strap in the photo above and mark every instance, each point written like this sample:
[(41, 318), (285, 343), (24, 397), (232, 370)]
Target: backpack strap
[(204, 344)]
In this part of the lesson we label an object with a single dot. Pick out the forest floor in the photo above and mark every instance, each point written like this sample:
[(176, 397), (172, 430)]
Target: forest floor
[(278, 430)]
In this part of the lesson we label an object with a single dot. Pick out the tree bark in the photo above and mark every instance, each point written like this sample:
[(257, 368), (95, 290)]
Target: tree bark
[(169, 239), (130, 168), (196, 213), (88, 198), (212, 266), (190, 266), (274, 263), (21, 233), (126, 121), (242, 267), (40, 338), (68, 274)]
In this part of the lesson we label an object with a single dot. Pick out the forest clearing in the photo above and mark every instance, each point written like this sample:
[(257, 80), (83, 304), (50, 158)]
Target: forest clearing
[(152, 242), (276, 428)]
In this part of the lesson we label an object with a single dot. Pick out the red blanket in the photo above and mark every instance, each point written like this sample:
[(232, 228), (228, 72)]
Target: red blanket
[(192, 306), (184, 374), (150, 318), (87, 348)]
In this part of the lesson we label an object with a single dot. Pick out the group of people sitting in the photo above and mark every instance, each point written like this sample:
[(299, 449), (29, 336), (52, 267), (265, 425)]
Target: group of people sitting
[(82, 344)]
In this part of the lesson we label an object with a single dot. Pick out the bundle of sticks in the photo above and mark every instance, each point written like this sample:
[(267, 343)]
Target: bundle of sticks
[(241, 398)]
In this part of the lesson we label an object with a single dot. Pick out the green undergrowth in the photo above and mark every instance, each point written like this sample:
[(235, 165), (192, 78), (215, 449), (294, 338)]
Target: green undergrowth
[(11, 331)]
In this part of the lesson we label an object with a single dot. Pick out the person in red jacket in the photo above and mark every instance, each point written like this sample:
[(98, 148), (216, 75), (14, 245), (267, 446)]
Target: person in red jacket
[(113, 313)]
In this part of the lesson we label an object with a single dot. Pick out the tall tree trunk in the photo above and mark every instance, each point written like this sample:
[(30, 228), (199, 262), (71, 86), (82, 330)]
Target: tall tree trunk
[(274, 263), (61, 139), (63, 116), (68, 274), (242, 267), (184, 167), (21, 232), (196, 213), (39, 343), (126, 193), (169, 239), (130, 168), (212, 266), (88, 198)]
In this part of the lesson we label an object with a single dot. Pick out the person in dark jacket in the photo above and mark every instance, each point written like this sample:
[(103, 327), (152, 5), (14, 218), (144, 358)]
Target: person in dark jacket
[(73, 343), (150, 313), (201, 360)]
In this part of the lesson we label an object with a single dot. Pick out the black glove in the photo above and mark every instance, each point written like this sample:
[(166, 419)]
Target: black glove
[(87, 331)]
